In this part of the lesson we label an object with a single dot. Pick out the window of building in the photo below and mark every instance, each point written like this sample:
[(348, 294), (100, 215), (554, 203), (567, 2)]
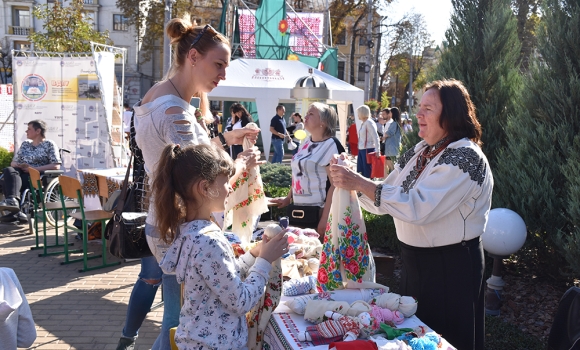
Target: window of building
[(21, 17), (341, 38), (341, 66), (120, 23), (22, 45), (362, 40), (361, 71)]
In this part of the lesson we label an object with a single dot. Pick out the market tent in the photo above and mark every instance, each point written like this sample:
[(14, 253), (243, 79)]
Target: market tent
[(269, 83)]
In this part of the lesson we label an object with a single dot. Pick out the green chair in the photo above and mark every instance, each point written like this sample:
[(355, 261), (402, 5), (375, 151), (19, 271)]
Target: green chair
[(71, 187), (39, 212)]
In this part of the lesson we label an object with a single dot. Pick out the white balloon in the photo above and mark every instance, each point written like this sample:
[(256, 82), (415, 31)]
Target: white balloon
[(505, 232)]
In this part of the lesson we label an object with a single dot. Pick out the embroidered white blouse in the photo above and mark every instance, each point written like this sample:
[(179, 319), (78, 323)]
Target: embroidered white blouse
[(219, 289), (309, 171), (448, 203)]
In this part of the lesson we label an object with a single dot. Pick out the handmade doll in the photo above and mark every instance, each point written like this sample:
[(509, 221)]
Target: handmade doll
[(337, 325)]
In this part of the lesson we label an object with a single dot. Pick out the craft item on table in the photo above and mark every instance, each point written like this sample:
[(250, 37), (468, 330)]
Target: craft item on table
[(299, 286), (316, 309), (298, 304), (392, 301), (385, 344), (308, 232), (346, 260), (248, 200), (428, 341), (393, 332), (384, 315), (354, 345), (259, 316), (309, 246), (349, 327), (294, 268)]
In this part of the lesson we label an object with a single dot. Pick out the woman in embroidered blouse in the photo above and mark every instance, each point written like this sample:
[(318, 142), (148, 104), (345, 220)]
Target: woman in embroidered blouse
[(439, 195), (310, 184), (165, 116), (218, 288), (36, 152), (368, 140)]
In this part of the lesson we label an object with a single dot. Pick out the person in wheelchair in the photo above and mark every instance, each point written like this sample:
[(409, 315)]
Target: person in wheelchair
[(37, 152)]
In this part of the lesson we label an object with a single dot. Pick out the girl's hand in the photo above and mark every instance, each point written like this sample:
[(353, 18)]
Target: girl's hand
[(281, 201), (274, 248), (236, 137)]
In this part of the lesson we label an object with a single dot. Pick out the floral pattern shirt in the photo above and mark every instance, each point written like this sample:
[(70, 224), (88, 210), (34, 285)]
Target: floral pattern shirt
[(45, 153), (219, 289)]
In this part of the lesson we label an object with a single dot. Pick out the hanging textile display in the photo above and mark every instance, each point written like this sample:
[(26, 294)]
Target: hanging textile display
[(346, 260), (247, 202)]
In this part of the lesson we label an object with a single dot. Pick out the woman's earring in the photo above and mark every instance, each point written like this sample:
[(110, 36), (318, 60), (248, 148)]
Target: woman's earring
[(212, 193)]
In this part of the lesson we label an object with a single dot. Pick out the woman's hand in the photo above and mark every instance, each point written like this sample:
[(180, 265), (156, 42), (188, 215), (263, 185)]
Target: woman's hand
[(342, 176), (321, 229), (236, 137), (281, 201)]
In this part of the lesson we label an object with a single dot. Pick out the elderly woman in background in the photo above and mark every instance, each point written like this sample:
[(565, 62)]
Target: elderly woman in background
[(368, 140), (439, 196), (311, 190)]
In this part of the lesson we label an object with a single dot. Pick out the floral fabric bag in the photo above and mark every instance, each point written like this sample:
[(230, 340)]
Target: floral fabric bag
[(346, 260)]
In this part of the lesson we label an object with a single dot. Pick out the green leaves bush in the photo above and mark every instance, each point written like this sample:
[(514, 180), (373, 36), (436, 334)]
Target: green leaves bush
[(5, 157), (381, 231), (277, 175)]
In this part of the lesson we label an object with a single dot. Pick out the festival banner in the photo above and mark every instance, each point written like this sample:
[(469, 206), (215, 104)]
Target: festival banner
[(6, 117), (64, 92)]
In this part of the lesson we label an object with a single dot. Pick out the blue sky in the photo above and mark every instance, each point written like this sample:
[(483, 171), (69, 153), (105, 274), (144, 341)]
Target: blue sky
[(436, 13)]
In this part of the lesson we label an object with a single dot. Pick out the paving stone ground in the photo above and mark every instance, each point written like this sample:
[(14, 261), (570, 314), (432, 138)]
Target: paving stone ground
[(71, 309)]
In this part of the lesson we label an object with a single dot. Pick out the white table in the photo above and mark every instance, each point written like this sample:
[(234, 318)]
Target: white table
[(115, 177)]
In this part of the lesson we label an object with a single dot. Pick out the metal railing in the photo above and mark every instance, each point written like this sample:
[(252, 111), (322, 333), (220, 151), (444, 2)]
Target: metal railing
[(16, 30)]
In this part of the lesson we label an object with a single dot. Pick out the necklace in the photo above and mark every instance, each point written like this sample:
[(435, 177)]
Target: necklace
[(429, 153), (175, 89)]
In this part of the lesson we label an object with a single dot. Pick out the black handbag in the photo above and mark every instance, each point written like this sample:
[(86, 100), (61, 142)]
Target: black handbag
[(303, 216), (126, 229)]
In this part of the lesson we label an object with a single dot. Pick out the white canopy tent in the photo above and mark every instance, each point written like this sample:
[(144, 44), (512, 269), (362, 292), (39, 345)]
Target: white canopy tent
[(269, 83)]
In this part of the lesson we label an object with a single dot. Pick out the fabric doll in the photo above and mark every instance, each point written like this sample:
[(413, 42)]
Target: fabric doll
[(392, 301), (337, 325), (384, 315)]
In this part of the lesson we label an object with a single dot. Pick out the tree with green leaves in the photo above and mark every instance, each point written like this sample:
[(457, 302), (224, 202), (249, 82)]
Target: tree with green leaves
[(148, 17), (483, 52), (65, 29), (538, 172)]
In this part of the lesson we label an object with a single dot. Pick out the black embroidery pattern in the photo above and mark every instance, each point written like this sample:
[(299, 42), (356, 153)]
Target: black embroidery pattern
[(467, 160), (410, 180), (404, 159)]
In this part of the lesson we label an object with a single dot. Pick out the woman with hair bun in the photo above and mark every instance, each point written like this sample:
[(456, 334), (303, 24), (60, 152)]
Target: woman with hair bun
[(164, 116)]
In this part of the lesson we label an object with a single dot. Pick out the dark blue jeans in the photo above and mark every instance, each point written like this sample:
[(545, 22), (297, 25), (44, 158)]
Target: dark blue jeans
[(361, 162)]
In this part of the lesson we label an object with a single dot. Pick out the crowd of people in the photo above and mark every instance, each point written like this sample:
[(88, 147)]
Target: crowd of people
[(438, 192)]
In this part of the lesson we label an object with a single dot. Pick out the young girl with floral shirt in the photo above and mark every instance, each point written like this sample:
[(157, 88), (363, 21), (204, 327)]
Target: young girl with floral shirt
[(191, 183)]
